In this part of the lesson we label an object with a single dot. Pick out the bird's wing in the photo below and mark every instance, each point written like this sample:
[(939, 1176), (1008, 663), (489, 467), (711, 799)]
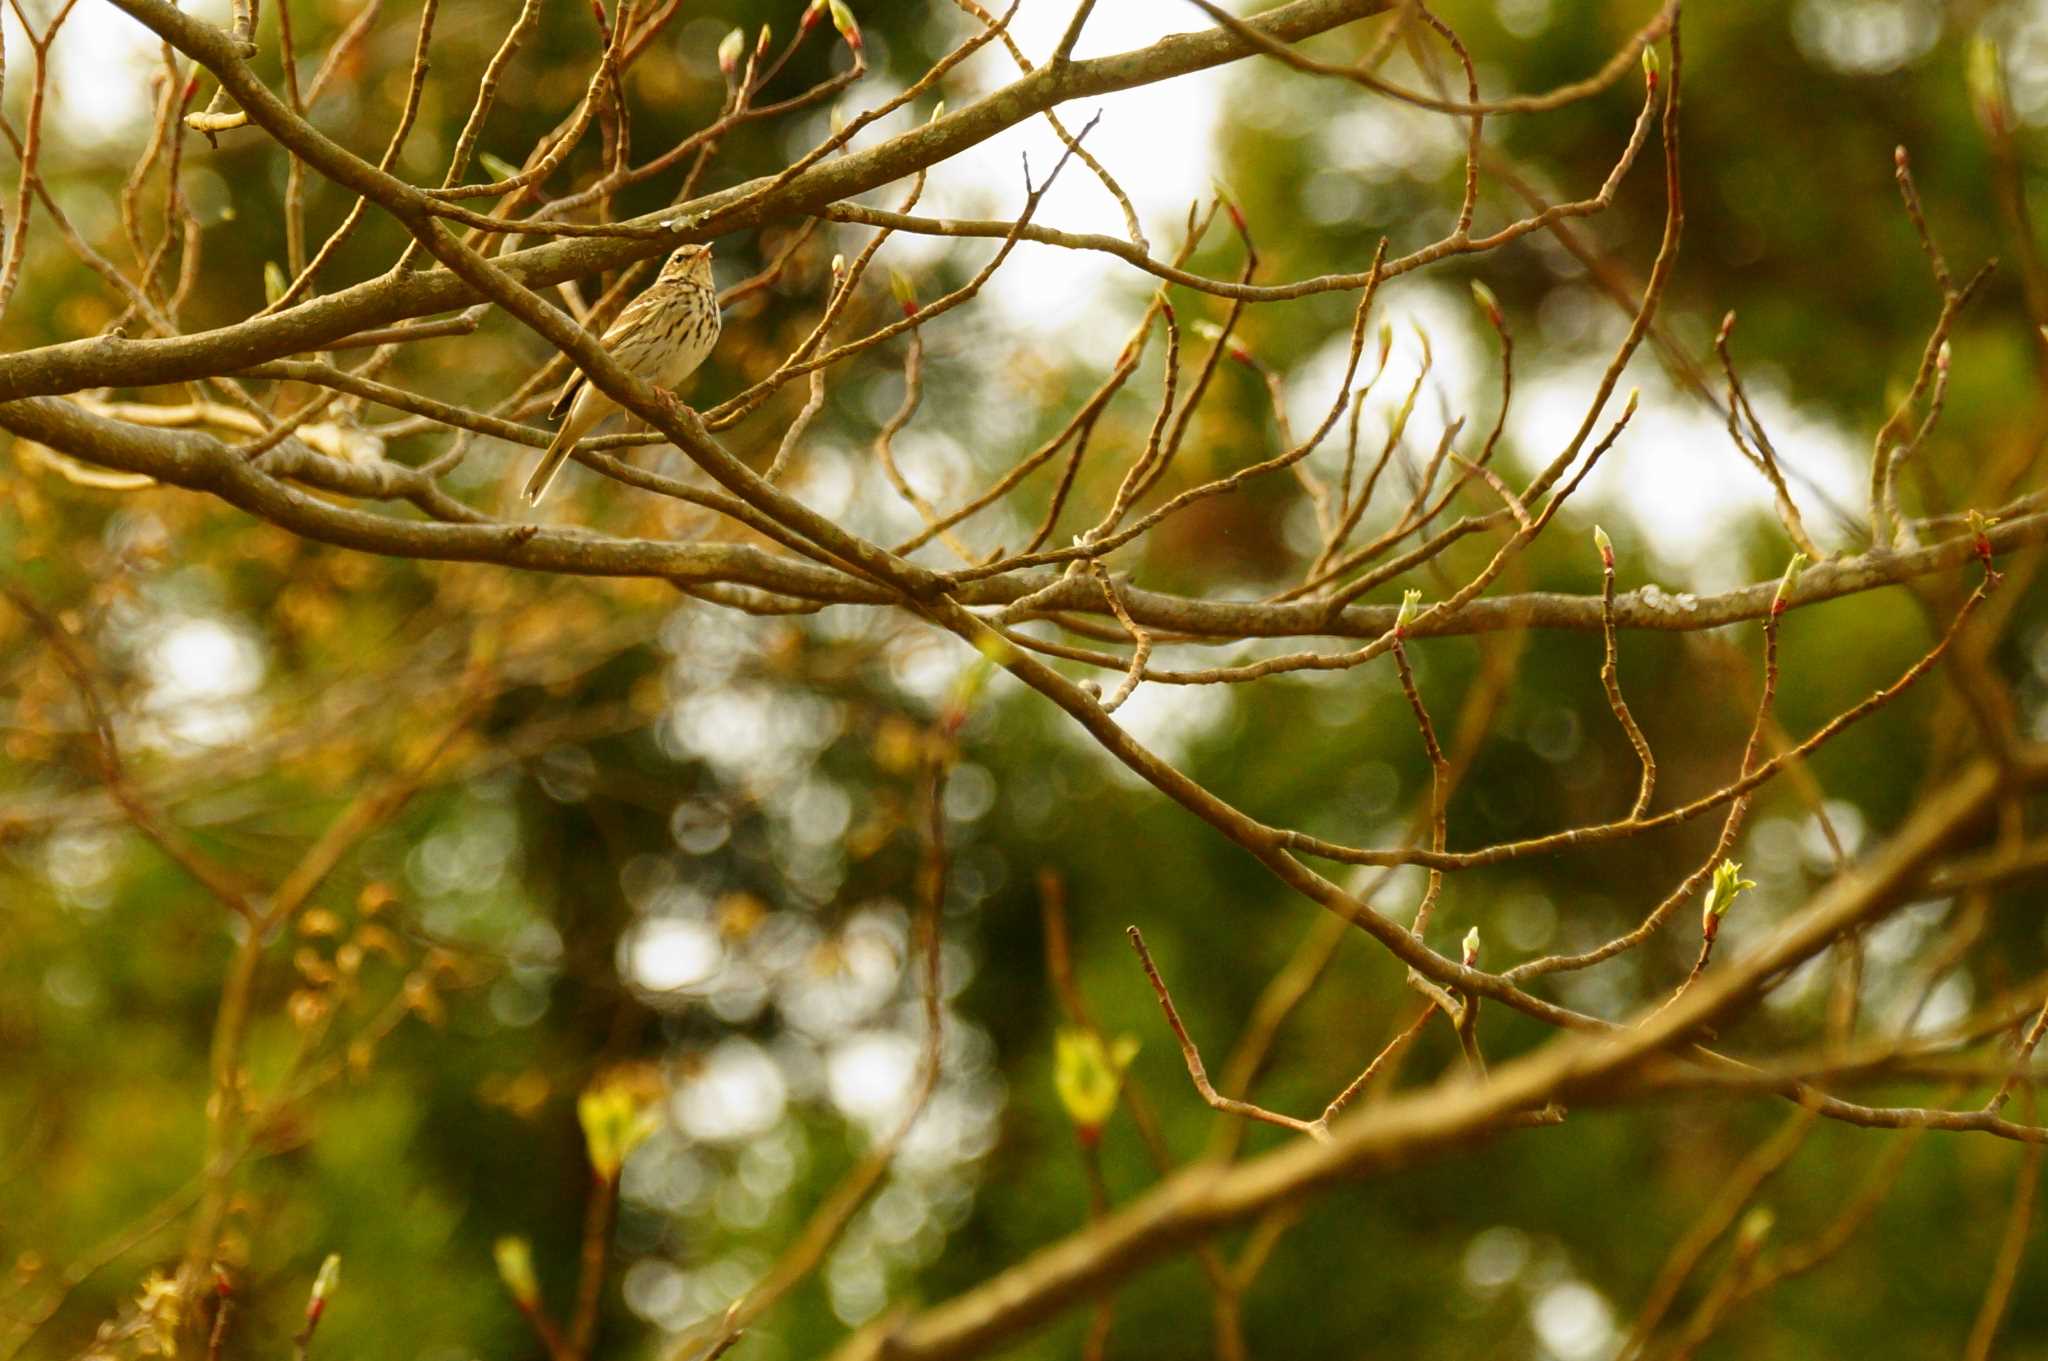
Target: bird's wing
[(628, 322), (569, 391)]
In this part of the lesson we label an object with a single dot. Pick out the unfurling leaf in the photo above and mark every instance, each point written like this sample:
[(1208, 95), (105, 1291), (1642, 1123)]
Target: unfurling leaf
[(617, 1115), (1411, 604), (1088, 1075), (1721, 894)]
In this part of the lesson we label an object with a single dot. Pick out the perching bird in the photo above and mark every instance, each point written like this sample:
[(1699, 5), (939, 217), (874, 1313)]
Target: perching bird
[(663, 335)]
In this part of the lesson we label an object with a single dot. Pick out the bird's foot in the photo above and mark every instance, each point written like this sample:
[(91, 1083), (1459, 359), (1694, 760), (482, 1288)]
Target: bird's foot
[(672, 405)]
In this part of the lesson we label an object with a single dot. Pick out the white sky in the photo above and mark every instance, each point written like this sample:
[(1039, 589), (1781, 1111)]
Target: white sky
[(1676, 472)]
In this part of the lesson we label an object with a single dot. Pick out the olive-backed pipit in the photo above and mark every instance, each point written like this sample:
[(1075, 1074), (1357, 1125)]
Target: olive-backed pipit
[(663, 335)]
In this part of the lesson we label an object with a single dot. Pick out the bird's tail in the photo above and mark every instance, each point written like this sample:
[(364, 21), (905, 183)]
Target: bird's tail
[(551, 462)]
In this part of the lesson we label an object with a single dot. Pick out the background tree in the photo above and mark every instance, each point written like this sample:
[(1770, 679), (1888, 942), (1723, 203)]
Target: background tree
[(692, 915)]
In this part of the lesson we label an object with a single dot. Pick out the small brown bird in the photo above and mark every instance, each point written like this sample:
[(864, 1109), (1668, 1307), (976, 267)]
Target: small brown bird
[(663, 335)]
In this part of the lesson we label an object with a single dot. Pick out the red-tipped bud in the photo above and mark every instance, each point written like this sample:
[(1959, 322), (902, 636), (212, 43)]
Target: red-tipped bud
[(1606, 547), (323, 1288), (970, 683), (729, 51), (842, 19), (1488, 304), (1411, 604), (906, 296), (1783, 598), (1727, 329), (1980, 531), (815, 12)]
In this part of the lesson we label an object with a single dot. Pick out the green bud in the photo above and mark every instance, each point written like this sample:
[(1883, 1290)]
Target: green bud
[(729, 51), (500, 168), (1984, 76), (514, 1256), (274, 282)]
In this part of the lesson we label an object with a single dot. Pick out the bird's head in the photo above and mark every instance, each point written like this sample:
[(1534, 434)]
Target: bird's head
[(688, 264)]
